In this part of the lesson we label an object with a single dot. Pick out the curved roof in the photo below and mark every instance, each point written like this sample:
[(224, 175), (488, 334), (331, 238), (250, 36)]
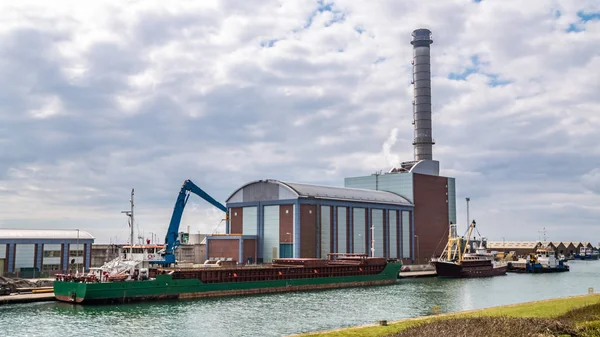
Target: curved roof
[(68, 234), (335, 193)]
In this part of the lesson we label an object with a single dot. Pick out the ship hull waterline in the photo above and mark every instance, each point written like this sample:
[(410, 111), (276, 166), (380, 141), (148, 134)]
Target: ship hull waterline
[(164, 287)]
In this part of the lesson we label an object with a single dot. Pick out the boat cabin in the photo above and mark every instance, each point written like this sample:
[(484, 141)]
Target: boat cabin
[(145, 253)]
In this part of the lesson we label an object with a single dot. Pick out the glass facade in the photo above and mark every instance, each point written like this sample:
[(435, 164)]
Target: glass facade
[(452, 200), (393, 218), (406, 235), (377, 222), (249, 221), (24, 256), (399, 183), (325, 231), (358, 228), (271, 233), (342, 240)]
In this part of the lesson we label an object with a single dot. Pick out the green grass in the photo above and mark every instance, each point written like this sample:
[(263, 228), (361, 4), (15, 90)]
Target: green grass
[(540, 309)]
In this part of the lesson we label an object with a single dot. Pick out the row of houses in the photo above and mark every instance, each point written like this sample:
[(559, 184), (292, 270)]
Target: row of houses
[(526, 247)]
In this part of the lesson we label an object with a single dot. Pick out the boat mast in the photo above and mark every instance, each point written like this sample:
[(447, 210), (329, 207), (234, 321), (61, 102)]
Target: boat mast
[(132, 224), (131, 219), (468, 238)]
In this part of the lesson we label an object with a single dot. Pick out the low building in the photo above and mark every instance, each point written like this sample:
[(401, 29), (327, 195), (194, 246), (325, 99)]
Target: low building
[(43, 252), (570, 248), (102, 253), (191, 253), (560, 248), (521, 248)]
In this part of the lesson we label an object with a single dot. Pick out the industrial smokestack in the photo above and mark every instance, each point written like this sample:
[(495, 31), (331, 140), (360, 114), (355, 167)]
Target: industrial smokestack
[(423, 141)]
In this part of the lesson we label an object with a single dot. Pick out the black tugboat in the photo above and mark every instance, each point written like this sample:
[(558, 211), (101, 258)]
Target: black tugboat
[(457, 261)]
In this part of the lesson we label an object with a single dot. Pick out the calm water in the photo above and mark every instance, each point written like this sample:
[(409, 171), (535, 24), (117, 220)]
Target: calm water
[(283, 314)]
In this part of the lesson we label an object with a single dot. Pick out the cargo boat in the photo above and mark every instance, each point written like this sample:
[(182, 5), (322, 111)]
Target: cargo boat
[(283, 275), (459, 261)]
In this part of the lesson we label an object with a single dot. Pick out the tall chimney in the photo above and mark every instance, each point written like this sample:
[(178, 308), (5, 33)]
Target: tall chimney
[(423, 141)]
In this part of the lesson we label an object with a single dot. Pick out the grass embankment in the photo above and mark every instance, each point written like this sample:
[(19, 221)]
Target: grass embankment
[(572, 316)]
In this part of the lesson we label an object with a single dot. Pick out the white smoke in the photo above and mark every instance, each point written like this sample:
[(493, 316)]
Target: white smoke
[(392, 159)]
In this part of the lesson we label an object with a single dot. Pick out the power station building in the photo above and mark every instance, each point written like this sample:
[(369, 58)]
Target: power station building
[(404, 213), (24, 252), (271, 219)]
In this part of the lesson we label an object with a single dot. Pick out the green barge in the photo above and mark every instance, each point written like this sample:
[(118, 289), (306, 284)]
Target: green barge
[(283, 275)]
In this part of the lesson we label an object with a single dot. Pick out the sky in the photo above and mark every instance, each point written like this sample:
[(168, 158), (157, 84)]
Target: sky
[(100, 98)]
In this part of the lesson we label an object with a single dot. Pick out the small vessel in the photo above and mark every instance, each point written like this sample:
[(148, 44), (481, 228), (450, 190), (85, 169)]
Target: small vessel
[(544, 260), (586, 253), (460, 260)]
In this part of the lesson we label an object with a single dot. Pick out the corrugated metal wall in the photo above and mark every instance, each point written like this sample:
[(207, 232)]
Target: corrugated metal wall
[(249, 221), (24, 256), (271, 233), (3, 251), (405, 235), (325, 231), (393, 234), (377, 219), (358, 220), (341, 229)]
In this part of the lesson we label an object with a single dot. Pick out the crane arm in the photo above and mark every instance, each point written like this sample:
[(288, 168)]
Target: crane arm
[(171, 239), (190, 186)]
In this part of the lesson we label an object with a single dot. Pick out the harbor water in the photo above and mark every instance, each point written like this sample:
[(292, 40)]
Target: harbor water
[(290, 313)]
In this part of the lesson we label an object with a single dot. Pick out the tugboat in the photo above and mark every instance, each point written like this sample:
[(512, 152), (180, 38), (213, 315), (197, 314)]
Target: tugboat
[(459, 261), (543, 261)]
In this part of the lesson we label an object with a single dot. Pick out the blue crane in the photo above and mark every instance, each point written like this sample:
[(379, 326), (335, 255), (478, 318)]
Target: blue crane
[(171, 239)]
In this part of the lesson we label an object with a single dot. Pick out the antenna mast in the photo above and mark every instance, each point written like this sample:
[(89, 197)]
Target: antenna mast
[(131, 222)]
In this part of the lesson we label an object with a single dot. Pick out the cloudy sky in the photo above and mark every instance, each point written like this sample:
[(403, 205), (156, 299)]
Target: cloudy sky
[(115, 95)]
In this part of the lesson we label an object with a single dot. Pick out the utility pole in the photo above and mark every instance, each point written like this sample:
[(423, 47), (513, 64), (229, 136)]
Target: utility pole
[(418, 253), (372, 240)]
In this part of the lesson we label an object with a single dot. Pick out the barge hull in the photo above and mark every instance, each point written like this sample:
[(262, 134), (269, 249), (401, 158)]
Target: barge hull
[(165, 287), (449, 269), (222, 293)]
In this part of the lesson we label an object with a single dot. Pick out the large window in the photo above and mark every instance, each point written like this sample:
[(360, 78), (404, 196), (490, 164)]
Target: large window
[(76, 253), (52, 253), (50, 267)]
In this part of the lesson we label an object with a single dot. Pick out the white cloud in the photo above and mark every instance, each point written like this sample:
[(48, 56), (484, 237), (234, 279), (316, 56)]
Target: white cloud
[(100, 98)]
